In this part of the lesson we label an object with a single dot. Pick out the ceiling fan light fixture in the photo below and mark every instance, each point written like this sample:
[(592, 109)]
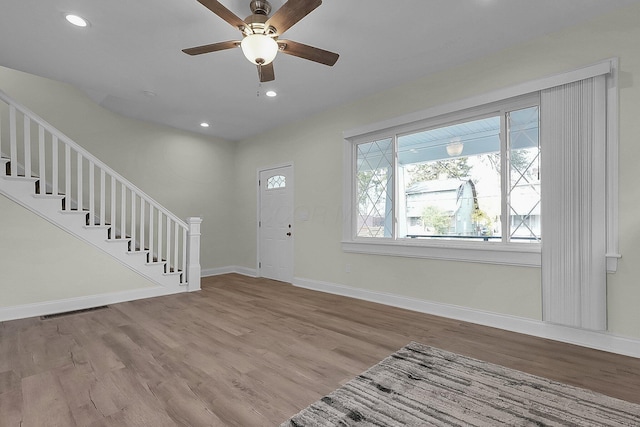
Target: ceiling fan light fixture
[(259, 49), (260, 44)]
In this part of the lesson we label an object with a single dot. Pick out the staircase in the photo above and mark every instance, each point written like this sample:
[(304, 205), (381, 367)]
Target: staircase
[(51, 175)]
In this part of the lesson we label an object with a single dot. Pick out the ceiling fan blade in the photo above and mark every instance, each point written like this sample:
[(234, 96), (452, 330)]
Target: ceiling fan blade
[(290, 13), (199, 50), (308, 52), (224, 13), (265, 72)]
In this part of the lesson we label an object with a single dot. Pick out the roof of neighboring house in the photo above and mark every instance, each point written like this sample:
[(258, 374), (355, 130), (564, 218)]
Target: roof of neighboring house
[(451, 184)]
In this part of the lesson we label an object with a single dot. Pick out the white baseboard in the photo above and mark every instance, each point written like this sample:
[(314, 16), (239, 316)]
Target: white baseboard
[(216, 271), (250, 272), (60, 306), (597, 340), (80, 303)]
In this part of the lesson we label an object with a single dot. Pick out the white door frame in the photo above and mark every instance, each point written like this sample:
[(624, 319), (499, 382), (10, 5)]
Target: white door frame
[(258, 206)]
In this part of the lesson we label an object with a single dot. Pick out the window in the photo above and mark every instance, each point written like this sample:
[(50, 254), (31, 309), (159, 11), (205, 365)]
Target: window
[(446, 182), (450, 184), (463, 181), (374, 181)]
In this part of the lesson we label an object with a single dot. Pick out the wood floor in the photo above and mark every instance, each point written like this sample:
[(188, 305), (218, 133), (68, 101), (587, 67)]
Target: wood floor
[(244, 352)]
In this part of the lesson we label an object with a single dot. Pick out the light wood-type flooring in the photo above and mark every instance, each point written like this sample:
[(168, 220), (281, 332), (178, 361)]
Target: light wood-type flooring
[(244, 352)]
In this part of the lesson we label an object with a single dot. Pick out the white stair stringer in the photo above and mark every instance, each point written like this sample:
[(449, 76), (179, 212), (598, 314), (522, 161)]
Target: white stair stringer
[(22, 191)]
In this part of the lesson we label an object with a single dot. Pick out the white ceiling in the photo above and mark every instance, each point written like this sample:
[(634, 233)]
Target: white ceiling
[(133, 46)]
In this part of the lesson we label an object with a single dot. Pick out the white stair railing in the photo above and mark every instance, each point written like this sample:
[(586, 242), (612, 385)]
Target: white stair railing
[(64, 168)]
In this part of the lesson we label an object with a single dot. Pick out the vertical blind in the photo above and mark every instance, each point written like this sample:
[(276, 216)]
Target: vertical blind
[(573, 138)]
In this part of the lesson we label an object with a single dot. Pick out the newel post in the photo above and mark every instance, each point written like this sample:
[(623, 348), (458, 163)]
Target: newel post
[(193, 253)]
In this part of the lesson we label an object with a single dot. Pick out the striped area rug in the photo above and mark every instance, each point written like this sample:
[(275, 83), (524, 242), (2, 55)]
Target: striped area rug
[(424, 386)]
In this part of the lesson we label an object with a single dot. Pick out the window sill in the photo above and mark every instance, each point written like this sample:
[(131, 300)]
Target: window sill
[(486, 253)]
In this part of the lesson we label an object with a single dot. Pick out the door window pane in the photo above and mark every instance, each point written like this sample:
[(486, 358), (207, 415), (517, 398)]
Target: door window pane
[(276, 181)]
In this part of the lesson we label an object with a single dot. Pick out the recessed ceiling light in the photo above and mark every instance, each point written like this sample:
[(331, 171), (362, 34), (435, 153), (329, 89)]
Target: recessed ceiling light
[(204, 124), (271, 93), (76, 20)]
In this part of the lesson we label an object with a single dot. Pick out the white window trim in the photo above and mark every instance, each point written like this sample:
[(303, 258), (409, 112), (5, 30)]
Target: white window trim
[(486, 252)]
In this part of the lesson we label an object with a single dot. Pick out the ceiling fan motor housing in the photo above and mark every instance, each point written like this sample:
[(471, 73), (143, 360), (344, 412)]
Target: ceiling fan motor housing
[(256, 21), (260, 7)]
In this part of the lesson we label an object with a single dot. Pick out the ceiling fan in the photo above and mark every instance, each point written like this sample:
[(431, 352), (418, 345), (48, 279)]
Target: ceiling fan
[(260, 42)]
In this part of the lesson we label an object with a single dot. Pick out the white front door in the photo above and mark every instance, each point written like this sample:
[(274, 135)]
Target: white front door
[(275, 224)]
